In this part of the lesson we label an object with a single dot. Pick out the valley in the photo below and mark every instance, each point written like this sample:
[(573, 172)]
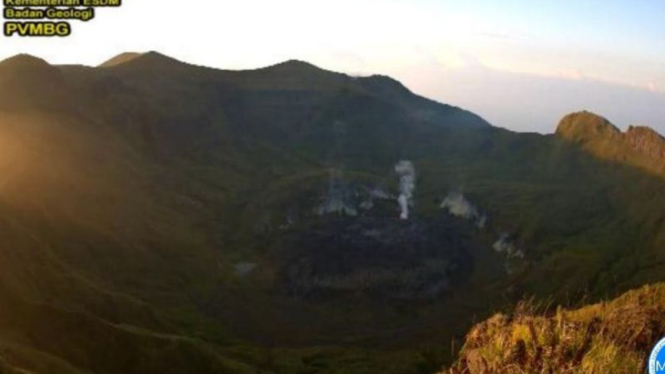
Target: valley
[(291, 219)]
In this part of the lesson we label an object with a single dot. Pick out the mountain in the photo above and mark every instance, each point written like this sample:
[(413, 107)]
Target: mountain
[(120, 59), (165, 217), (639, 146), (28, 82)]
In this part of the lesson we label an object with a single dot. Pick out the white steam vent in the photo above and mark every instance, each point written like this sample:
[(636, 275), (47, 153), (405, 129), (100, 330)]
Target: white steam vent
[(407, 185), (337, 199), (458, 205), (506, 246)]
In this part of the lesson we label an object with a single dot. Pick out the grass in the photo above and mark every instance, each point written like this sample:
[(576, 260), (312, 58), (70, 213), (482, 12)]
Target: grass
[(608, 337)]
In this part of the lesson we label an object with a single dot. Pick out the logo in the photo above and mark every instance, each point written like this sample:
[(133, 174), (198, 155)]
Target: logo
[(657, 359), (49, 17)]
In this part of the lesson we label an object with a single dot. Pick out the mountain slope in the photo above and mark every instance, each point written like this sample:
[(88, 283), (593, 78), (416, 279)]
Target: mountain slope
[(252, 219), (610, 337), (120, 59), (639, 146), (113, 184)]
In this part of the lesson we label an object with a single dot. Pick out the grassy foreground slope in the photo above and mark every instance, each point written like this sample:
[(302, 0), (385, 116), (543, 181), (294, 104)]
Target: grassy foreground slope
[(609, 337)]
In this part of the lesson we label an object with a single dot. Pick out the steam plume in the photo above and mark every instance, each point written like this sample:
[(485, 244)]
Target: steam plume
[(458, 205), (336, 199), (407, 185), (505, 245)]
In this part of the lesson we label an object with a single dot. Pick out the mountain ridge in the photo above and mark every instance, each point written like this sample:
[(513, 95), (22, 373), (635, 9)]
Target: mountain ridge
[(23, 59), (639, 146), (646, 140), (121, 59), (278, 74)]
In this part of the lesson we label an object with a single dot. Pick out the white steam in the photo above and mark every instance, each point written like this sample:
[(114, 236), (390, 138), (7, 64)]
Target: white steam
[(407, 185), (374, 194), (457, 205), (337, 199), (512, 253), (506, 246)]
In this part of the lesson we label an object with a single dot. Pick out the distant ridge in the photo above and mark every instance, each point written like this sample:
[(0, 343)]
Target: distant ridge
[(639, 146), (647, 141), (294, 65), (121, 59), (584, 126), (24, 60), (152, 59)]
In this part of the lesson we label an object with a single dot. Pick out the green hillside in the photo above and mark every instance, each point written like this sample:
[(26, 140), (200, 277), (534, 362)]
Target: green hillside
[(639, 146)]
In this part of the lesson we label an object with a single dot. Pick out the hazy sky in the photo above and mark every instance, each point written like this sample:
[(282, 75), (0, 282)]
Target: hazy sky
[(521, 64)]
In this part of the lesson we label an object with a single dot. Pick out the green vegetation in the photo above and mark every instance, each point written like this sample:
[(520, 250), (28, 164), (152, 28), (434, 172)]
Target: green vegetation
[(130, 193), (639, 146), (609, 337)]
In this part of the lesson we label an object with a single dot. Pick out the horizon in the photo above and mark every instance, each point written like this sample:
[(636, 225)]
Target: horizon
[(521, 65)]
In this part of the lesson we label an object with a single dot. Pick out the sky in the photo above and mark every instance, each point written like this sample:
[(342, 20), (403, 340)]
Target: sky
[(520, 64)]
